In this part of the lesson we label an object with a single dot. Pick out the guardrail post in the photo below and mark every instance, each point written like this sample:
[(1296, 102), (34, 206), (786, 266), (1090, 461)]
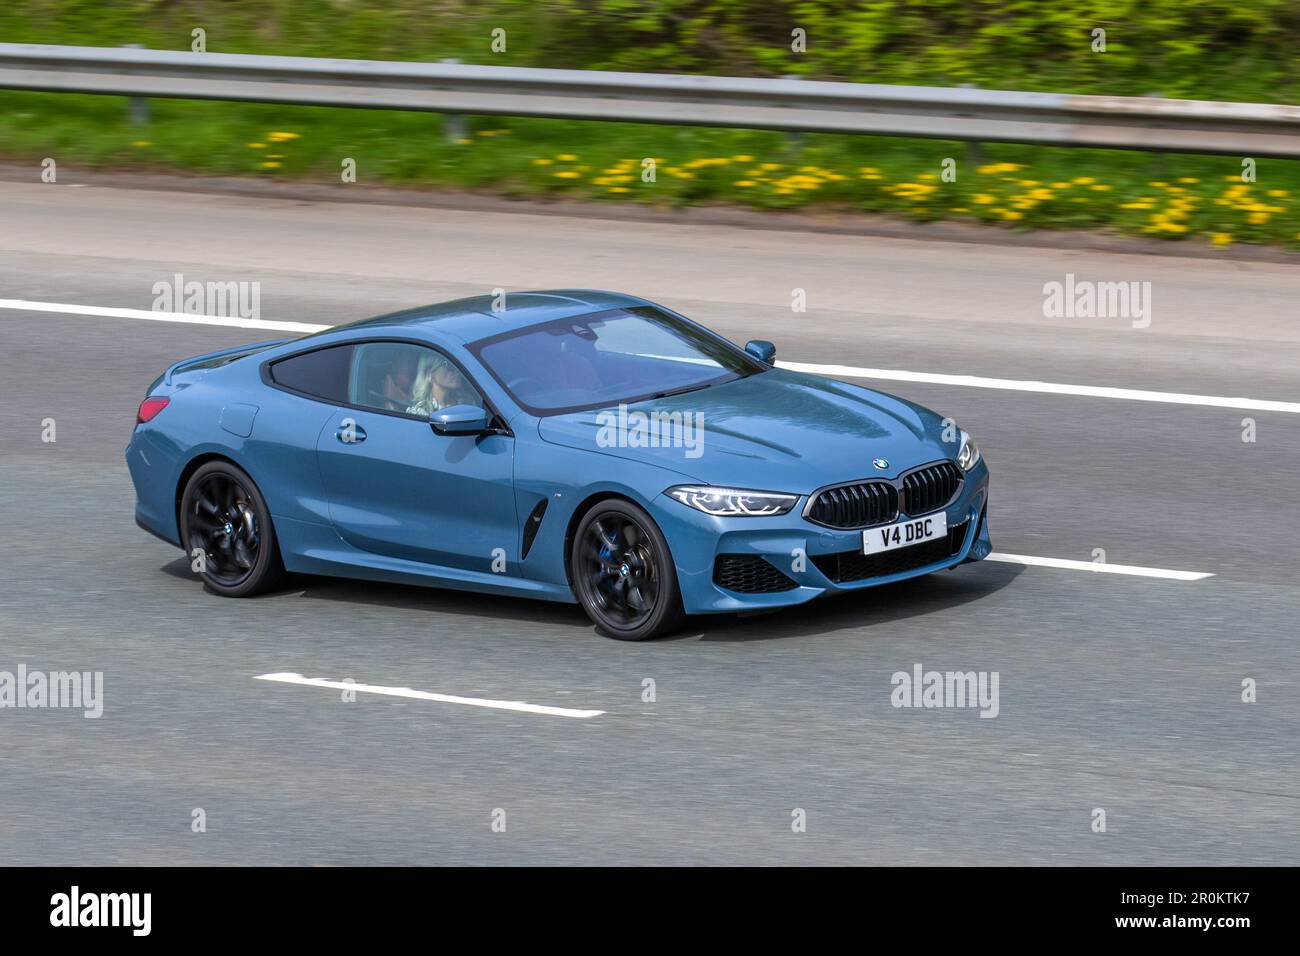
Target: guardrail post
[(1157, 166), (454, 126), (974, 148), (137, 107), (794, 142)]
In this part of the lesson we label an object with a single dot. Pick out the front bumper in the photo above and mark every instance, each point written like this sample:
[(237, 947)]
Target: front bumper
[(812, 560)]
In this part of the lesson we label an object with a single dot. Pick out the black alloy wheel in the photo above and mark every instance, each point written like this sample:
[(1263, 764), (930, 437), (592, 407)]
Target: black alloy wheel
[(226, 524), (623, 574)]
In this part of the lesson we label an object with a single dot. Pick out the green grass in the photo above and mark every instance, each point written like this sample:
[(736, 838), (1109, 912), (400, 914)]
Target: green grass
[(1210, 49), (1052, 188)]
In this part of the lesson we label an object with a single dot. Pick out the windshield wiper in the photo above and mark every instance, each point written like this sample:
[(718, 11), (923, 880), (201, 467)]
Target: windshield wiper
[(682, 391)]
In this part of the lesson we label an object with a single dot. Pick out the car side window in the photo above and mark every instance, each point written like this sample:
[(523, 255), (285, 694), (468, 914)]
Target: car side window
[(322, 373), (407, 379)]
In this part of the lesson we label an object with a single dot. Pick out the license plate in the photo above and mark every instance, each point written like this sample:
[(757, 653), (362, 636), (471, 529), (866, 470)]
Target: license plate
[(905, 533)]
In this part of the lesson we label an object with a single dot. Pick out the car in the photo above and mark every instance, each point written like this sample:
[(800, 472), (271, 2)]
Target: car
[(573, 445)]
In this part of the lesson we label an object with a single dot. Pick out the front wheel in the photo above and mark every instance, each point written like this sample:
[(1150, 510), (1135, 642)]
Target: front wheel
[(227, 531), (623, 573)]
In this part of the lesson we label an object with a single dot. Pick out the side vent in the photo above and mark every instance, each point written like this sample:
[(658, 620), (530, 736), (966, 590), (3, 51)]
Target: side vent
[(531, 525)]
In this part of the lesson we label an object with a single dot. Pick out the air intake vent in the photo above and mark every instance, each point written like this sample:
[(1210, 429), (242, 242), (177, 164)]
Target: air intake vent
[(749, 574), (847, 566), (530, 527)]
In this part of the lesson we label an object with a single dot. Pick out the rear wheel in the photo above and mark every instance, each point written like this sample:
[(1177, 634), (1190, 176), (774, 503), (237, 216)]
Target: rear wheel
[(226, 527), (623, 573)]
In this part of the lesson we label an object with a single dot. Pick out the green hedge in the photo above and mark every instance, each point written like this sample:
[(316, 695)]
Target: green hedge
[(1208, 49)]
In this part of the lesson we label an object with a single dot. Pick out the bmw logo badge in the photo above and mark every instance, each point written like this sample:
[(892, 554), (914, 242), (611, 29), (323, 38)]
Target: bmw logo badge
[(880, 463)]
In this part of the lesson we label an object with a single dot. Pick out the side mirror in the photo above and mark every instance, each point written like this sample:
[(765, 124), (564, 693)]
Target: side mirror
[(460, 420), (762, 350)]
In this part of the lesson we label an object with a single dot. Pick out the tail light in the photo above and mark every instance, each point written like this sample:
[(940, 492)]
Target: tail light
[(149, 409)]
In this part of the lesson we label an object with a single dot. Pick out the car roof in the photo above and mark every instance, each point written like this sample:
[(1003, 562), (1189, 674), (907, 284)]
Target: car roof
[(474, 318)]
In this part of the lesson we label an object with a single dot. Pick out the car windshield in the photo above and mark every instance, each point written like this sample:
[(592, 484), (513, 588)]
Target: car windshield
[(623, 355)]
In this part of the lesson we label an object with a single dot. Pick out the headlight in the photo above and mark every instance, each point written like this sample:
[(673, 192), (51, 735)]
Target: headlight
[(969, 454), (733, 502)]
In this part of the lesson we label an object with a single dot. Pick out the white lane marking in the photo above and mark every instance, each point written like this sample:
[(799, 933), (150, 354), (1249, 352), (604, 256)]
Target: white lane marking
[(1098, 567), (1050, 388), (838, 371), (185, 317), (515, 705)]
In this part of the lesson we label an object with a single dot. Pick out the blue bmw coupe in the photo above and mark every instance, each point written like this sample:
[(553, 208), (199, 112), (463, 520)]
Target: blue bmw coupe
[(571, 445)]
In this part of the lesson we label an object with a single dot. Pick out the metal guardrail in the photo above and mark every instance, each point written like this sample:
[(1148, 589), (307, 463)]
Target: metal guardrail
[(1049, 119)]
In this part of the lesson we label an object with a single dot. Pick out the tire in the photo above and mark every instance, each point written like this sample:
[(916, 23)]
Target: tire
[(224, 514), (623, 573)]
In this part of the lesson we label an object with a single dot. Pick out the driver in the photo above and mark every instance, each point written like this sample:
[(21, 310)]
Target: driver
[(439, 384)]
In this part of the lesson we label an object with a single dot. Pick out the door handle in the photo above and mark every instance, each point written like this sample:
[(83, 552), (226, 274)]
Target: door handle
[(350, 433)]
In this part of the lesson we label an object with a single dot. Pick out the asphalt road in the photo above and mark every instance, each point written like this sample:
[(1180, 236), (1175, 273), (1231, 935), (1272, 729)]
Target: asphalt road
[(1116, 692)]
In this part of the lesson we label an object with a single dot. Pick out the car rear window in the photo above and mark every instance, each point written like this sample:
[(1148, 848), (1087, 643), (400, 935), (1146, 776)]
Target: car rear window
[(322, 373)]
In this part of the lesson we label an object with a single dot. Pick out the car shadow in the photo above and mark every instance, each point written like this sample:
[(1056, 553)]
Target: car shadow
[(889, 603), (180, 568), (885, 604)]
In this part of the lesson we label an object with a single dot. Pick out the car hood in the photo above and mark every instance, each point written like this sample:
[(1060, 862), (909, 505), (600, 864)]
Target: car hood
[(775, 431)]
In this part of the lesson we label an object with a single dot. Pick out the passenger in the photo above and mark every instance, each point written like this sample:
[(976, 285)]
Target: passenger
[(397, 383)]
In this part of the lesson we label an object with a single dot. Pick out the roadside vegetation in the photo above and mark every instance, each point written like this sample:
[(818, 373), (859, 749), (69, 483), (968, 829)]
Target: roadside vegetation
[(1206, 49)]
